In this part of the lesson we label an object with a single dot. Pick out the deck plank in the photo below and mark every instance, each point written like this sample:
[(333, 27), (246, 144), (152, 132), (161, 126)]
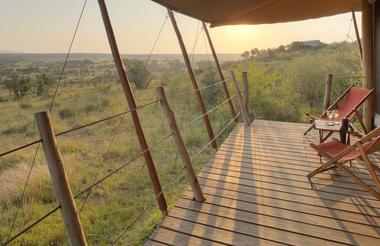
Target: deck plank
[(257, 193)]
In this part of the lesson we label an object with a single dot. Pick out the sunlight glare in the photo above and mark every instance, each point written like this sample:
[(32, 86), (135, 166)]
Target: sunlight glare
[(242, 30)]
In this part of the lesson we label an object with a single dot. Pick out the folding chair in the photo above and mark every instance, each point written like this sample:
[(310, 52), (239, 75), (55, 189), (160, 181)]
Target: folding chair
[(347, 105), (338, 154)]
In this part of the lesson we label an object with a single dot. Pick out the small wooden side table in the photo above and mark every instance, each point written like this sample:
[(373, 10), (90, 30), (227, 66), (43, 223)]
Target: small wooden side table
[(323, 126)]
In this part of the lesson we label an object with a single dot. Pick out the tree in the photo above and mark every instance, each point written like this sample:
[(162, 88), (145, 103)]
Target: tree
[(245, 55), (138, 73), (281, 48), (211, 94), (24, 84), (17, 84), (255, 52), (43, 83)]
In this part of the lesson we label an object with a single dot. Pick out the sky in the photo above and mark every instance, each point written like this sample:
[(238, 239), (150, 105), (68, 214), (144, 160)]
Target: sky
[(46, 26)]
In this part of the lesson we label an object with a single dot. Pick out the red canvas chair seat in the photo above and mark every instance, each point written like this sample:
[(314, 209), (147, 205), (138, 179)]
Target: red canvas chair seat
[(337, 154), (334, 147)]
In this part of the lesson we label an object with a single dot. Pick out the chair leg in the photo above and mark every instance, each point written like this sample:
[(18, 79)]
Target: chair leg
[(311, 183), (319, 169), (327, 136), (309, 129), (371, 170), (359, 181)]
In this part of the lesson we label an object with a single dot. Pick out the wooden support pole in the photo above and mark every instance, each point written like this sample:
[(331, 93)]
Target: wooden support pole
[(368, 61), (194, 82), (60, 181), (192, 178), (359, 42), (244, 76), (132, 106), (225, 88), (328, 88), (239, 99)]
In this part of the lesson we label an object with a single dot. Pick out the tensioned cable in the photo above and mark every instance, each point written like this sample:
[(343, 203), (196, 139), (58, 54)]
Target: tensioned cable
[(349, 29), (216, 136), (78, 128), (32, 225), (183, 93), (210, 111), (105, 157), (105, 177), (192, 55), (357, 77), (206, 48), (50, 107), (154, 46), (20, 147), (150, 204), (197, 35), (123, 166)]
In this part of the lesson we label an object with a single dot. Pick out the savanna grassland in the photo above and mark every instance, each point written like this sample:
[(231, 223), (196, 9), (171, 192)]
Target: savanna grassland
[(90, 90), (284, 83)]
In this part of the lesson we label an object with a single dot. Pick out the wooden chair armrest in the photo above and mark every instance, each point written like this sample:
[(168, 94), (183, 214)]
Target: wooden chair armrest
[(314, 117)]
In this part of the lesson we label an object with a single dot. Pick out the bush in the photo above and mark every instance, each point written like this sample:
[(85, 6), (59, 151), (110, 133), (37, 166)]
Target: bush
[(105, 102), (25, 105), (66, 113), (91, 108)]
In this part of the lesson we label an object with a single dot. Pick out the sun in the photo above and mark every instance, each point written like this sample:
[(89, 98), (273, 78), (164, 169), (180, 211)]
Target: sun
[(241, 30)]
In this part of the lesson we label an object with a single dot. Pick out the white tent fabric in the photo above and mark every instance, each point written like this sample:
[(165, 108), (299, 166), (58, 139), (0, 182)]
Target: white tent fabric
[(235, 12)]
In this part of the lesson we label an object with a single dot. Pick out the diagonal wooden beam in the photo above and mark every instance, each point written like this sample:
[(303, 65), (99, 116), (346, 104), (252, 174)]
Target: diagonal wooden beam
[(225, 88), (194, 82), (132, 106)]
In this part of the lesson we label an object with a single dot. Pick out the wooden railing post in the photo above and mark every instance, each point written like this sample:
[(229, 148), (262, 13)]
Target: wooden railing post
[(225, 88), (328, 88), (132, 106), (239, 99), (192, 178), (244, 76), (359, 42), (368, 62), (59, 179), (193, 81)]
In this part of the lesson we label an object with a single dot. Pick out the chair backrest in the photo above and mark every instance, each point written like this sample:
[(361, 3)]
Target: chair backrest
[(353, 99)]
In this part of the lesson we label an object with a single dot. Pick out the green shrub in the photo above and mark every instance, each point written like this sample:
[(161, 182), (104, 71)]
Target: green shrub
[(105, 102), (91, 108), (25, 105), (66, 113)]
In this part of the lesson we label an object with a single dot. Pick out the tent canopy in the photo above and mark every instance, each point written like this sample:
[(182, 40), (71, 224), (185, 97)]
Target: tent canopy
[(235, 12)]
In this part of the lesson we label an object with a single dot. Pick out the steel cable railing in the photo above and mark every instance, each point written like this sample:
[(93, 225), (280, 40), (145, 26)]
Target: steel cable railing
[(150, 205), (90, 187), (210, 111), (78, 128), (113, 172), (152, 201), (184, 93), (217, 135)]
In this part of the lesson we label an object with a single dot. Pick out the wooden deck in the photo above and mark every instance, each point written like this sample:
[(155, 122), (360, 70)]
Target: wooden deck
[(258, 194)]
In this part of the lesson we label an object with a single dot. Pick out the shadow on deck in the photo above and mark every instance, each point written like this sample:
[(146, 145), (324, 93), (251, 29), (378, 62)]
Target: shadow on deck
[(257, 193)]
